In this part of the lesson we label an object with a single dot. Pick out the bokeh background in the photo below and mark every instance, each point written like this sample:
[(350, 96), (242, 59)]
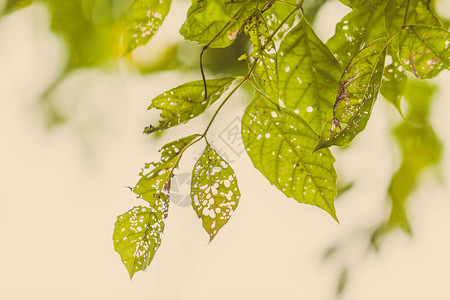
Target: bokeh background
[(70, 145)]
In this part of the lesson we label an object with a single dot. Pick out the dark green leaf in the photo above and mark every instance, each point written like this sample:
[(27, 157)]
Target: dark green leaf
[(280, 145), (214, 191), (154, 186), (394, 82), (137, 236), (425, 50), (221, 27), (143, 20), (357, 93), (354, 32), (186, 101), (308, 76)]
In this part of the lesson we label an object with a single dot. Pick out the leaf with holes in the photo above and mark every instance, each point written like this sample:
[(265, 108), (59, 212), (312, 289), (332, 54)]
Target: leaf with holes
[(354, 32), (275, 13), (394, 81), (204, 27), (425, 51), (357, 93), (187, 101), (308, 75), (214, 191), (154, 186), (280, 145), (419, 12), (137, 236), (143, 20), (264, 52)]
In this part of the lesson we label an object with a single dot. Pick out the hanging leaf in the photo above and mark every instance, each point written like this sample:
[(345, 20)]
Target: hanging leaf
[(143, 20), (357, 93), (280, 145), (137, 236), (154, 186), (419, 12), (420, 148), (187, 101), (394, 81), (308, 75), (363, 4), (356, 30), (214, 191), (425, 50), (221, 30)]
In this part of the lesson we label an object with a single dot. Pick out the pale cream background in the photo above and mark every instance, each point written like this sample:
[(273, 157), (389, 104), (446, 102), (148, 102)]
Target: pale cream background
[(61, 191)]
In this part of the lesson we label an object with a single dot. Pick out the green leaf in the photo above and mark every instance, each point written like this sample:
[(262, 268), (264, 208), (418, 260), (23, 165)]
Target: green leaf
[(419, 12), (214, 191), (275, 13), (264, 51), (154, 186), (357, 93), (311, 8), (91, 39), (143, 20), (220, 28), (280, 145), (420, 148), (308, 75), (354, 32), (137, 236), (342, 282), (425, 50), (363, 4), (187, 101), (394, 82)]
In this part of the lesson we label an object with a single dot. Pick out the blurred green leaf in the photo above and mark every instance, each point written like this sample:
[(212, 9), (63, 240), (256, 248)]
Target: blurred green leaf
[(363, 4), (214, 191), (143, 20), (420, 148), (13, 5)]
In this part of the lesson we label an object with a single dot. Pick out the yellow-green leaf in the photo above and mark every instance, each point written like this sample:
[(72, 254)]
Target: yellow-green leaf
[(214, 191), (357, 93), (143, 20), (425, 50), (137, 236), (186, 101), (280, 145), (308, 75)]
